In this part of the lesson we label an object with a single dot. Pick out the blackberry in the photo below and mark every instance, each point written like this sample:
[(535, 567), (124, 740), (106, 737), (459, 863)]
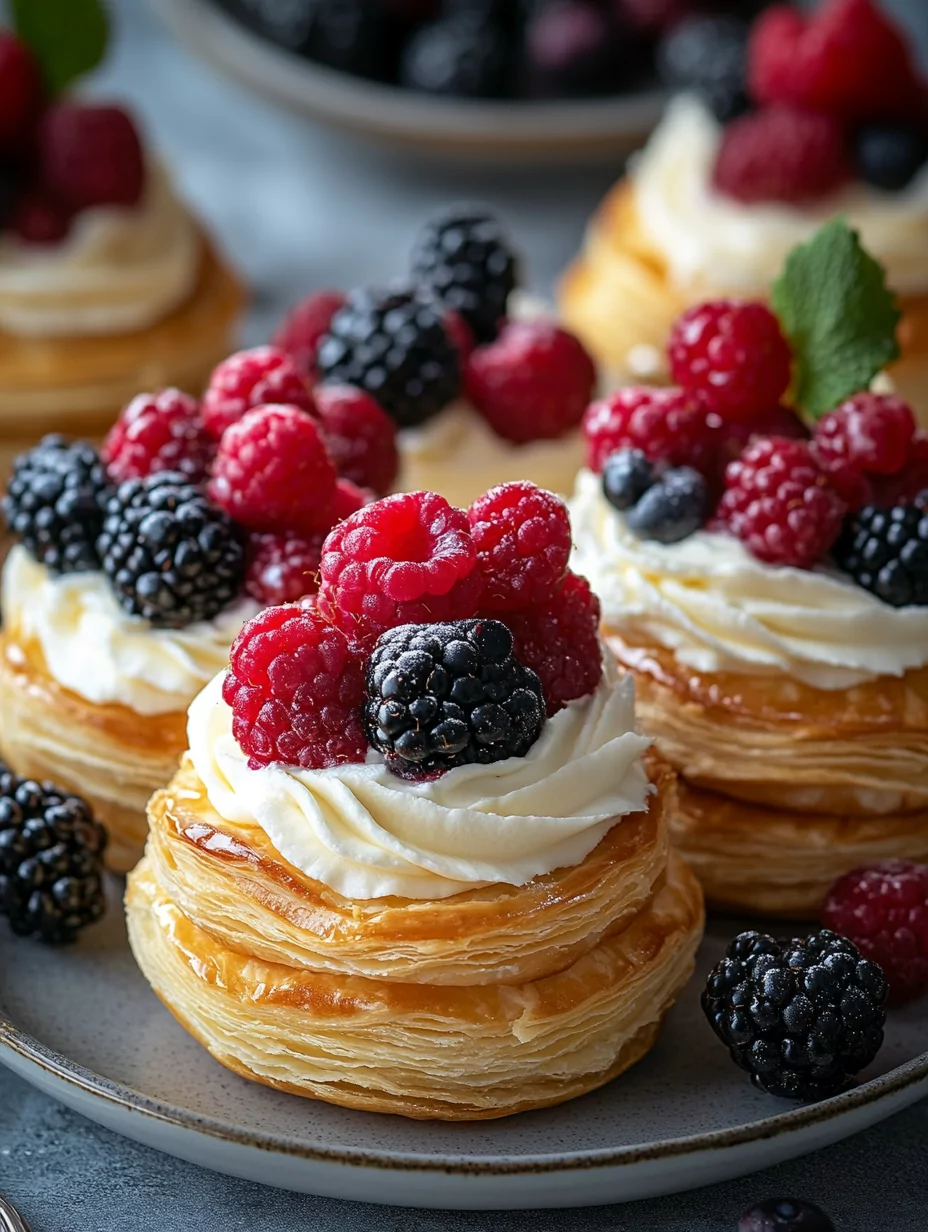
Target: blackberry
[(785, 1215), (627, 475), (172, 556), (886, 552), (801, 1016), (51, 860), (464, 259), (457, 56), (672, 508), (393, 344), (577, 48), (890, 155), (54, 503), (446, 695), (707, 55)]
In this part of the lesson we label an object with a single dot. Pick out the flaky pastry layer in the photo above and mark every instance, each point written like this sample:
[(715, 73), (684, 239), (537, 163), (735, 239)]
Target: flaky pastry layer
[(422, 1050), (617, 295), (776, 741), (108, 754)]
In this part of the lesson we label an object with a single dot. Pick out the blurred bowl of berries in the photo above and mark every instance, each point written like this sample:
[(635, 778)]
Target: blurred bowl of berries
[(551, 79)]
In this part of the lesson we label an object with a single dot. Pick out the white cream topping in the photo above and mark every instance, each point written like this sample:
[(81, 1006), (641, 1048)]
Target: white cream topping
[(714, 242), (92, 647), (368, 834), (718, 608), (119, 269)]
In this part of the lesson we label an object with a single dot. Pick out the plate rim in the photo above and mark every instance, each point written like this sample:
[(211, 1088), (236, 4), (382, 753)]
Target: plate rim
[(61, 1068)]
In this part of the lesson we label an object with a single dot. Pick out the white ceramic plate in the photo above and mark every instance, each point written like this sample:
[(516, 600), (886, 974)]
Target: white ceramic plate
[(569, 130), (82, 1025)]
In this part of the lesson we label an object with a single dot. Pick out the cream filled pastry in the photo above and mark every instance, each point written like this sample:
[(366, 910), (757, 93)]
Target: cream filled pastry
[(711, 206), (416, 859)]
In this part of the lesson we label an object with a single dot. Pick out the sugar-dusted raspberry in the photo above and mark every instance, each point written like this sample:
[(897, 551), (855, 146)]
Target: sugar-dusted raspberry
[(347, 499), (20, 89), (532, 383), (406, 559), (847, 58), (159, 432), (664, 424), (272, 472), (883, 909), (731, 438), (779, 503), (282, 567), (782, 154), (560, 642), (731, 356), (360, 436), (40, 218), (871, 432), (908, 483), (259, 377), (90, 155), (522, 533), (296, 690), (300, 331)]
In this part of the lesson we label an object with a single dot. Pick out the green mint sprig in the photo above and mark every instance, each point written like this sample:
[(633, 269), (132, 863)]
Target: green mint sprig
[(67, 37), (839, 316)]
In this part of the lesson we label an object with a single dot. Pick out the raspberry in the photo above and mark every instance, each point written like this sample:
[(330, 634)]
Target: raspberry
[(883, 909), (731, 356), (407, 559), (272, 472), (258, 377), (347, 499), (782, 154), (560, 642), (159, 432), (296, 690), (731, 438), (282, 568), (460, 334), (91, 155), (532, 383), (522, 535), (779, 503), (360, 437), (301, 330), (20, 89), (867, 436), (41, 218), (903, 487), (663, 423), (848, 59)]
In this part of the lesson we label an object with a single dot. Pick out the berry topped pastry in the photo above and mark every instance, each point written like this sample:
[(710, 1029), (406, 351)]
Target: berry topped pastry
[(758, 538), (480, 387), (811, 114), (137, 566), (418, 831), (106, 280)]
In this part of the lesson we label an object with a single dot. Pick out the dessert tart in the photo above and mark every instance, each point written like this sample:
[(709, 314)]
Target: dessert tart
[(713, 204), (483, 386), (136, 568), (773, 612), (416, 858), (107, 283)]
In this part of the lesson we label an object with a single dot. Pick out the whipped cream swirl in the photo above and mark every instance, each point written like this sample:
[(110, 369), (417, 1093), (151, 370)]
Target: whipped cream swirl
[(718, 608), (92, 647), (368, 834), (119, 269), (714, 243)]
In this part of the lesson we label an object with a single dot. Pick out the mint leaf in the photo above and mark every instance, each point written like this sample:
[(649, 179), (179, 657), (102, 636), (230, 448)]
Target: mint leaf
[(839, 316), (68, 37)]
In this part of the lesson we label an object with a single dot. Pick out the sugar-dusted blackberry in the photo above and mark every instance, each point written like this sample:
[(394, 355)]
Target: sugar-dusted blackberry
[(54, 503), (394, 345), (801, 1016), (464, 258), (459, 56), (173, 557), (51, 860), (446, 695), (890, 155), (886, 552), (707, 55)]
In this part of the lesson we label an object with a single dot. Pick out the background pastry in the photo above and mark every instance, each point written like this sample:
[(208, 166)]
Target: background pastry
[(715, 202), (401, 870)]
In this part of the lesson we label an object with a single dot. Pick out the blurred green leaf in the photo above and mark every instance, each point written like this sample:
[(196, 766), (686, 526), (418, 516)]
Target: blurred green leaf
[(68, 37)]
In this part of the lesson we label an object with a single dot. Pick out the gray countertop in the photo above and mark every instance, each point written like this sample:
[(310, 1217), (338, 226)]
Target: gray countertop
[(298, 208)]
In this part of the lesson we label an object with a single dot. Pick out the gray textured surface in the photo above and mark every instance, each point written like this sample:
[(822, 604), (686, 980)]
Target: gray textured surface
[(299, 208)]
